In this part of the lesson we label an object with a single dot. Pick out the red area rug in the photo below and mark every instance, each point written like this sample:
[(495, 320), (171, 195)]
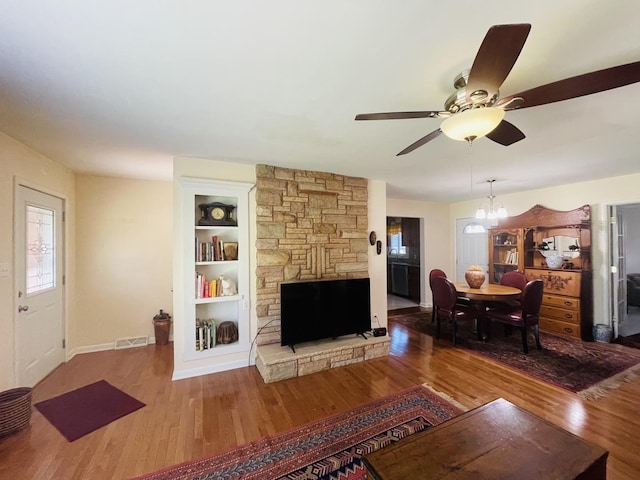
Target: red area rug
[(590, 369), (86, 409), (329, 449)]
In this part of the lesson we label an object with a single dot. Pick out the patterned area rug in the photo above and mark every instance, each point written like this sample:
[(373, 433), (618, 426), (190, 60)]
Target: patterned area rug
[(590, 369), (330, 449)]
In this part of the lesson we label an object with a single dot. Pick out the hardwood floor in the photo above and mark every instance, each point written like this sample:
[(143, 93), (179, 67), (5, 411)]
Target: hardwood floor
[(201, 416)]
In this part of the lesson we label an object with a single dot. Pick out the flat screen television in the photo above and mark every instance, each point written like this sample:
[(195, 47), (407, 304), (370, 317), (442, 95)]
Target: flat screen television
[(314, 310)]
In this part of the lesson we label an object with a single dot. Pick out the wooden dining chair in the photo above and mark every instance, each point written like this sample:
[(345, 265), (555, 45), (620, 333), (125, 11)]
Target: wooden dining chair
[(524, 316), (445, 302)]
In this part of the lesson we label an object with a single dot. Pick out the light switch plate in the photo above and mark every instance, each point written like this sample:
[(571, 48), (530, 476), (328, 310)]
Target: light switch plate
[(4, 269)]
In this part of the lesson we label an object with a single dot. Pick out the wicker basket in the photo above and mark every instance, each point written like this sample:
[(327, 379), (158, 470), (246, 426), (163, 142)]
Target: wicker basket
[(15, 410)]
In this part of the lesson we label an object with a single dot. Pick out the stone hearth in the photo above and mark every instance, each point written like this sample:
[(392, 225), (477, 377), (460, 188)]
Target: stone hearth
[(275, 362)]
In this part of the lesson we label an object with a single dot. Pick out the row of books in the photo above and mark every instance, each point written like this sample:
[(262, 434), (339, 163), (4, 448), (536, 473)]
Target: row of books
[(208, 288), (205, 334), (511, 257), (216, 250)]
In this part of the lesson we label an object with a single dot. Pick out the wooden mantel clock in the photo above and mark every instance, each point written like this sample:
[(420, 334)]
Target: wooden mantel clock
[(217, 213)]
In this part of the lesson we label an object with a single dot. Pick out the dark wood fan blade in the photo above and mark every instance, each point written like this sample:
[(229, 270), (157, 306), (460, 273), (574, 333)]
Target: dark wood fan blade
[(505, 134), (495, 58), (401, 115), (578, 86), (419, 143)]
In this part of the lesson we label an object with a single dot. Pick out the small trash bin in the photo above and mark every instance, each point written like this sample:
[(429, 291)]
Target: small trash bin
[(162, 326)]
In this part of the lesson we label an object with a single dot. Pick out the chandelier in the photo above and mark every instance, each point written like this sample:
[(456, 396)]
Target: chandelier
[(472, 123), (494, 209)]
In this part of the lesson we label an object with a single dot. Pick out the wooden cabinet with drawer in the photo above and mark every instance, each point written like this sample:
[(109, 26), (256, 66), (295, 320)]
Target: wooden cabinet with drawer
[(560, 314), (560, 309)]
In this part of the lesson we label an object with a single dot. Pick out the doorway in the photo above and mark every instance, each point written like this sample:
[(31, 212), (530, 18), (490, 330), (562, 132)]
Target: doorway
[(38, 284), (472, 245), (404, 273), (625, 276)]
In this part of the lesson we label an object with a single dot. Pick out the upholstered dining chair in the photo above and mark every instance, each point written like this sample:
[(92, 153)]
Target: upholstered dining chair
[(445, 303), (436, 272), (524, 316), (514, 279)]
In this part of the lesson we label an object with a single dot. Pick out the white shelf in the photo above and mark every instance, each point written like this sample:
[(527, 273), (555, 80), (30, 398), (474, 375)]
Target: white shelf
[(225, 298), (216, 227), (218, 262)]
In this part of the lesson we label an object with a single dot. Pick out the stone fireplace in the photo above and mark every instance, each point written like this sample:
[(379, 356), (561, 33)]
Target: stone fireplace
[(310, 225)]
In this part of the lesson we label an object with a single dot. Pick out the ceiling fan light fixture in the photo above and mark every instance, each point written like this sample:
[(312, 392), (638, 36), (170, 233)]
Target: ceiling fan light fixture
[(473, 123)]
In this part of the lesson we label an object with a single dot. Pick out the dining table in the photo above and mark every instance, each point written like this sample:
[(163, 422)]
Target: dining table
[(489, 294)]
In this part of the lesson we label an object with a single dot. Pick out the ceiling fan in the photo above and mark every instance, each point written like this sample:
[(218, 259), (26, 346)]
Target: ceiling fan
[(476, 109)]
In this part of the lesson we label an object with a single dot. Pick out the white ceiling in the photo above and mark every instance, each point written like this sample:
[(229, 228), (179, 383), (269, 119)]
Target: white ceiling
[(121, 87)]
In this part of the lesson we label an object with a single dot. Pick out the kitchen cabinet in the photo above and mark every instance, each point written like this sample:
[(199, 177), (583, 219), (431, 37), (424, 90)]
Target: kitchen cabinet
[(411, 232), (414, 283)]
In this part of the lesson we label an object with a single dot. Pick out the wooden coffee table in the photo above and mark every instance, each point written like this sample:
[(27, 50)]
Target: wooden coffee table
[(496, 441)]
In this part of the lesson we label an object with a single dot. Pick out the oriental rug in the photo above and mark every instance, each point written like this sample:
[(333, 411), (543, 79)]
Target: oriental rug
[(329, 449), (590, 369), (81, 411)]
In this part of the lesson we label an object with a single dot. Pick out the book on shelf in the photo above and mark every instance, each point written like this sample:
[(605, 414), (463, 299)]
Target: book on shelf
[(215, 248), (219, 286), (511, 257), (207, 288), (205, 334), (199, 280), (215, 251)]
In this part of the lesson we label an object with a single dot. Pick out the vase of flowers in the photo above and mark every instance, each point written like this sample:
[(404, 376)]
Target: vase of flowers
[(474, 276)]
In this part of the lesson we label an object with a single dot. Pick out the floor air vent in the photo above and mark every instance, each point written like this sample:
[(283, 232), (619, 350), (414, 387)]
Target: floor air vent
[(131, 342)]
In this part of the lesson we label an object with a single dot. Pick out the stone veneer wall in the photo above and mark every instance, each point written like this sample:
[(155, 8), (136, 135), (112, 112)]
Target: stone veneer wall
[(310, 225)]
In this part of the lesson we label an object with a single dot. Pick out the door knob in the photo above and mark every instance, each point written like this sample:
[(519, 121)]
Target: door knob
[(23, 308)]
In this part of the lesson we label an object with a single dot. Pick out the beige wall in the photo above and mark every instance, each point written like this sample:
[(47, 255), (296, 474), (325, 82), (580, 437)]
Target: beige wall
[(124, 246), (378, 263), (19, 163)]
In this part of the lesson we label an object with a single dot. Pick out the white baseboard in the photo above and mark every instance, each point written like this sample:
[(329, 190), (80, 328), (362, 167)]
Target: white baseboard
[(196, 372), (102, 347), (89, 349)]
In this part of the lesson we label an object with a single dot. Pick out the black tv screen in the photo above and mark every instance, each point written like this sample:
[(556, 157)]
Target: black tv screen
[(320, 309)]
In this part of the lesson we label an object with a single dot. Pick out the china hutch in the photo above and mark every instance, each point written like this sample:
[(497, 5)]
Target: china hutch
[(554, 246)]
